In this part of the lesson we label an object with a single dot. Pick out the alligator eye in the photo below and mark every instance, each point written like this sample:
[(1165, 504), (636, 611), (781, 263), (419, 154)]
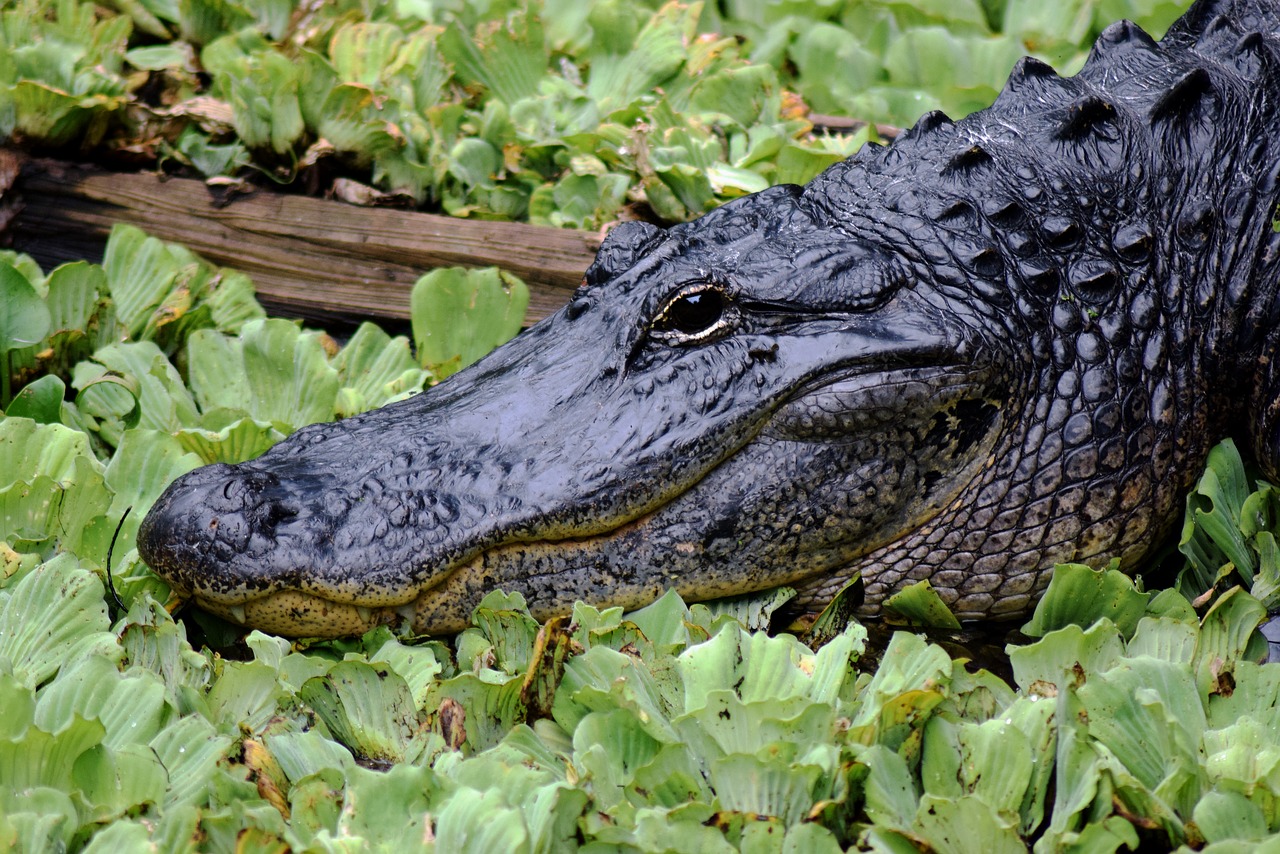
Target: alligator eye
[(694, 315)]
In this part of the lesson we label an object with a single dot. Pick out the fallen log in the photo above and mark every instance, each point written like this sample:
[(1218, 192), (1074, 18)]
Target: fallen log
[(319, 259)]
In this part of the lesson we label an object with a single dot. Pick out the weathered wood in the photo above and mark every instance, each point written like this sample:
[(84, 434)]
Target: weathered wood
[(313, 258)]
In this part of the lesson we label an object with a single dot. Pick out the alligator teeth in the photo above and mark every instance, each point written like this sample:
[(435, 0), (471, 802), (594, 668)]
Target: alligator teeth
[(237, 613), (407, 611), (366, 614)]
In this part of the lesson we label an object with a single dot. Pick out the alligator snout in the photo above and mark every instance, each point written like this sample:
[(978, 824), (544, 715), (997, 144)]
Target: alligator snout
[(208, 517)]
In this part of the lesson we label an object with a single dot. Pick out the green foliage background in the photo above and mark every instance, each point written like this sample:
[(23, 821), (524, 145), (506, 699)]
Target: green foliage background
[(1133, 717), (559, 112)]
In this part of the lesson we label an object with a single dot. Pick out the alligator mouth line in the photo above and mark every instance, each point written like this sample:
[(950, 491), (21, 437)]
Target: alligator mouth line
[(301, 613), (442, 603)]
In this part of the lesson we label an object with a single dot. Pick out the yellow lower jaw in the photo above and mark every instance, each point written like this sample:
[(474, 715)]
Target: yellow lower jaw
[(301, 615)]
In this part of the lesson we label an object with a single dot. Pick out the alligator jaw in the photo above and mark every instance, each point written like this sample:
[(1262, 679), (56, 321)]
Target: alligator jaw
[(297, 614)]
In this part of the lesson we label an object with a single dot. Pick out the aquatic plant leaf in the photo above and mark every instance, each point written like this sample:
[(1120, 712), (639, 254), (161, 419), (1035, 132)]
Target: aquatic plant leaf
[(190, 749), (120, 780), (72, 620), (159, 57), (41, 401), (459, 315), (121, 835), (417, 665), (833, 64), (1165, 638), (788, 728), (910, 670), (53, 116), (502, 620), (151, 639), (468, 709), (73, 294), (243, 696), (508, 59), (364, 51), (1067, 655), (673, 777), (551, 815), (241, 440), (378, 367), (39, 818), (202, 21), (391, 808), (215, 365), (1212, 535), (145, 462), (273, 372), (890, 790), (369, 710), (210, 159), (355, 119), (162, 396), (753, 611), (140, 272), (131, 707), (609, 747), (1228, 815), (58, 486), (480, 821), (41, 759), (604, 678), (232, 302), (107, 402), (741, 93), (1148, 714), (1080, 595), (1228, 633), (17, 708), (780, 667), (764, 786), (665, 622), (305, 754), (24, 318), (24, 513), (966, 824), (623, 69), (1243, 756), (994, 762), (920, 605), (1256, 692), (263, 94)]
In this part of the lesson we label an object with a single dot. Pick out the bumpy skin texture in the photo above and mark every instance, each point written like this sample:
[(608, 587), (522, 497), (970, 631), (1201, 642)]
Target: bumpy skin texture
[(995, 345)]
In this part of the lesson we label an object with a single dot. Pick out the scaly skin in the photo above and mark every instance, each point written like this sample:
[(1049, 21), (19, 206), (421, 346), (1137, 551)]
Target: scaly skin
[(995, 345)]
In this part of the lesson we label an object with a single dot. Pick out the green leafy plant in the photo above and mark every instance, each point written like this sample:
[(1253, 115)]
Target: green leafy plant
[(557, 112), (1229, 534), (24, 320)]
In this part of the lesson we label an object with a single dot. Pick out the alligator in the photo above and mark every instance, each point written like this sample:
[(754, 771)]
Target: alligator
[(994, 345)]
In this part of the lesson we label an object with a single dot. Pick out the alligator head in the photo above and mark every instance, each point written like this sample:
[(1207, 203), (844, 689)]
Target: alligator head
[(995, 345), (730, 405)]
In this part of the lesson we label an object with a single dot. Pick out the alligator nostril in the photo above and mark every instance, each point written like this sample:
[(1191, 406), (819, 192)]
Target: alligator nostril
[(244, 490)]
